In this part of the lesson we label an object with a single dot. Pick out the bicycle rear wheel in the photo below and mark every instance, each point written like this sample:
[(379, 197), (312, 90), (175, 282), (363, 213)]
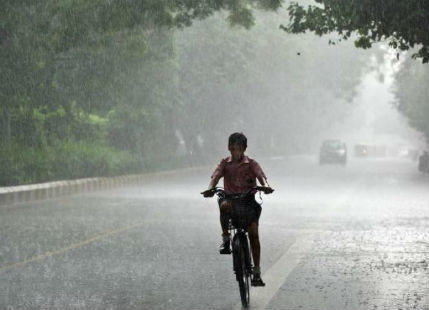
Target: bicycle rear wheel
[(242, 271)]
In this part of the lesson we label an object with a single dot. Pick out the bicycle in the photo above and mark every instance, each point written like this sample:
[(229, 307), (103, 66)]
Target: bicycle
[(239, 221)]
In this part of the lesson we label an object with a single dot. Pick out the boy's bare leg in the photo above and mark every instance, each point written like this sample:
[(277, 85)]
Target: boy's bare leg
[(254, 243), (224, 222)]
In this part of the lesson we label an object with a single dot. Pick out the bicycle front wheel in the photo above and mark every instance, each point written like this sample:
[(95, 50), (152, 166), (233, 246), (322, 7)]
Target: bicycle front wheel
[(242, 271)]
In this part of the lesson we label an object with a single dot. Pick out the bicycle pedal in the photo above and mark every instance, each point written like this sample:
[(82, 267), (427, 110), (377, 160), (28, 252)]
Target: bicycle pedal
[(225, 251), (257, 282)]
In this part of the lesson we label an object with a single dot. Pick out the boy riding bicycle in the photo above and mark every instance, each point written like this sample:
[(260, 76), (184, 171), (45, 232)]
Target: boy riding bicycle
[(240, 173)]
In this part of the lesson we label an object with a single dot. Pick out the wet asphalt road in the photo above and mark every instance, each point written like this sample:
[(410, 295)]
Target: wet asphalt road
[(332, 238)]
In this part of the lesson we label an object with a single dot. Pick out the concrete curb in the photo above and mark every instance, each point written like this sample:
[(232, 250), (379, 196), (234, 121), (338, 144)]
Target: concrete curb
[(23, 193)]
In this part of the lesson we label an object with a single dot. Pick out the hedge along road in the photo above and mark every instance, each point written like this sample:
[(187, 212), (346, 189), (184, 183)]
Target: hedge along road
[(332, 237)]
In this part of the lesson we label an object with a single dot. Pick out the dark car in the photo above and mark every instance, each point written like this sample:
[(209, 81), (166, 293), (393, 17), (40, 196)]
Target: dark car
[(333, 152)]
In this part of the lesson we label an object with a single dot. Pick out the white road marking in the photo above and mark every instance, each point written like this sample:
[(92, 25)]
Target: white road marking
[(276, 275)]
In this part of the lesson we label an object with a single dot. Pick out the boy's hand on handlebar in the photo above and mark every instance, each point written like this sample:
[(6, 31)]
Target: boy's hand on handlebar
[(267, 190), (208, 193)]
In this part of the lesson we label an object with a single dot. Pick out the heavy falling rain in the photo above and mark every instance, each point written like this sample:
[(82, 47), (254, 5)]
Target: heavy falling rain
[(222, 154)]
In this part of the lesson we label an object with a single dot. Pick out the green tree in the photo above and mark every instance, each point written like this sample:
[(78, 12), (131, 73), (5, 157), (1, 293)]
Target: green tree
[(45, 43), (73, 70), (403, 24), (100, 88)]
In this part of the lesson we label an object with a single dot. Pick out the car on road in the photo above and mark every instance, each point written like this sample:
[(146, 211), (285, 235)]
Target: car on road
[(333, 152)]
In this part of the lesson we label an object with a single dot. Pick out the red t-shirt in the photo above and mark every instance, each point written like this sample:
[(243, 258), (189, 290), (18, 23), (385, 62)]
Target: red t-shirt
[(239, 177)]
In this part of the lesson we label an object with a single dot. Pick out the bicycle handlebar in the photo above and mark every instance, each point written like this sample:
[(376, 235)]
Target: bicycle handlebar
[(211, 192)]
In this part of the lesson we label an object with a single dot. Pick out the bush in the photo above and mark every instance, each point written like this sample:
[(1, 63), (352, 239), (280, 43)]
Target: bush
[(69, 160), (82, 160)]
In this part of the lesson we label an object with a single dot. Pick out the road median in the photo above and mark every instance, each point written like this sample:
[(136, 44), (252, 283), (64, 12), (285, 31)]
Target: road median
[(22, 193)]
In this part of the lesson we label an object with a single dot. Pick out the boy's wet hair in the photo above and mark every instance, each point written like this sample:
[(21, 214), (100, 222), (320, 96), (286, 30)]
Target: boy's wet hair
[(238, 138)]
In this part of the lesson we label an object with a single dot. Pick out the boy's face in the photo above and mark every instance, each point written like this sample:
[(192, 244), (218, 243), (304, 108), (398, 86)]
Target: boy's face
[(237, 151)]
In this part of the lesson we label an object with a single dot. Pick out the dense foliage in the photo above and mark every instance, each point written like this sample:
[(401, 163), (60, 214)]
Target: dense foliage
[(404, 24), (83, 77), (95, 88)]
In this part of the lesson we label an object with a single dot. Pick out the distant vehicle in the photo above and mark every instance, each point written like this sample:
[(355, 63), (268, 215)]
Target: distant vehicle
[(367, 150), (424, 162), (361, 150), (333, 152)]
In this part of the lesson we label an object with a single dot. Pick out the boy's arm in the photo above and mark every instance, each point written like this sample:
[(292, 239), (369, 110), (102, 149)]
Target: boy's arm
[(213, 183), (217, 174), (262, 181), (260, 175)]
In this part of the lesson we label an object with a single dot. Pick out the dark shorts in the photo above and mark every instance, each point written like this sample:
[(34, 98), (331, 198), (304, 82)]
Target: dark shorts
[(254, 208)]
